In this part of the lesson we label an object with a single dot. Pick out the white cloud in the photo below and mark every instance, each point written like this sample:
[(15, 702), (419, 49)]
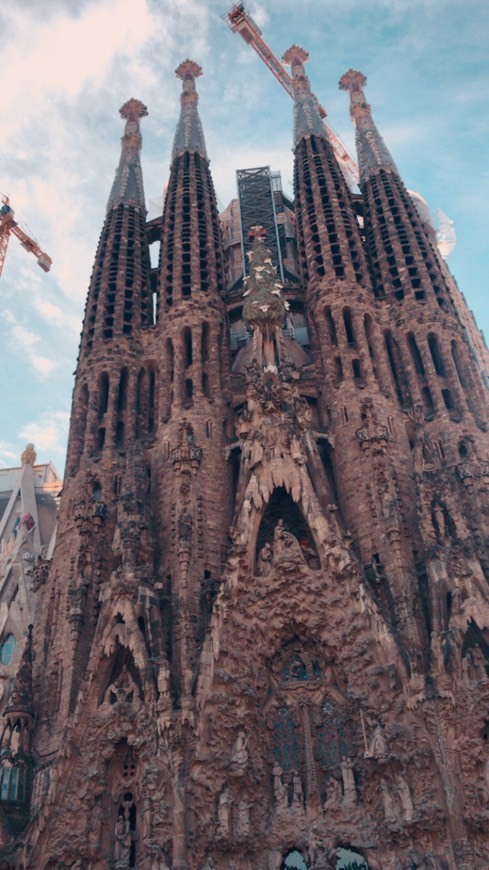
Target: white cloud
[(9, 458), (23, 343), (48, 433)]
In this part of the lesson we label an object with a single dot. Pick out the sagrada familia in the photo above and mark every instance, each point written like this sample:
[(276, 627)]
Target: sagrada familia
[(262, 640)]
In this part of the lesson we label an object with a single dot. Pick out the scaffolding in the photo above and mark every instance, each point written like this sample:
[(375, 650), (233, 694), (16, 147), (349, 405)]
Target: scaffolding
[(257, 206)]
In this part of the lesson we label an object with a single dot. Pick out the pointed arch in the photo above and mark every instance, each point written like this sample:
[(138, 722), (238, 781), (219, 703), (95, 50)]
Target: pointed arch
[(281, 508)]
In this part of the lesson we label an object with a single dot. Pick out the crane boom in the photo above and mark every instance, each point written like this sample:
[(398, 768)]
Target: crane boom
[(240, 21), (8, 227)]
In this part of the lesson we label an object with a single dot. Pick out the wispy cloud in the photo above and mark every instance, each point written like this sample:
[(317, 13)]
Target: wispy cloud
[(48, 433), (8, 457), (23, 343)]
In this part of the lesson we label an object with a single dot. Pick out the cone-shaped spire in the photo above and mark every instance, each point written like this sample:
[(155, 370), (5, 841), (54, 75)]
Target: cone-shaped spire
[(307, 119), (373, 153), (189, 135), (128, 182), (191, 245)]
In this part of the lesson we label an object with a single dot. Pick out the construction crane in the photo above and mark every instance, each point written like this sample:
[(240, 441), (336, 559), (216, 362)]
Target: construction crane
[(240, 21), (8, 227)]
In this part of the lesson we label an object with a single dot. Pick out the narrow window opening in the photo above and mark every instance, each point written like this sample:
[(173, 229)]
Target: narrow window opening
[(119, 434), (331, 327), (103, 403), (350, 335), (187, 346), (413, 347), (101, 438), (436, 355)]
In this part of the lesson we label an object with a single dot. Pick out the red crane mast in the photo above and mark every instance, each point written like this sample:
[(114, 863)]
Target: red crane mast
[(8, 227), (240, 21)]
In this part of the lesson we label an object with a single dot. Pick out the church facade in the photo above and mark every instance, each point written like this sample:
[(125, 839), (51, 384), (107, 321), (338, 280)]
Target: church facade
[(262, 640)]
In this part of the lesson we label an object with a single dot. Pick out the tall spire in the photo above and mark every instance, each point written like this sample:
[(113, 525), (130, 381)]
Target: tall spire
[(373, 153), (307, 120), (128, 181), (189, 135)]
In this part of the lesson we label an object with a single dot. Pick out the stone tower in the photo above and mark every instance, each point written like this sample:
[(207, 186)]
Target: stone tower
[(261, 641)]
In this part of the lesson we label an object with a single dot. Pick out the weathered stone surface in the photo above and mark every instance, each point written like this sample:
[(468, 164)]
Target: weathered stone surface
[(264, 630)]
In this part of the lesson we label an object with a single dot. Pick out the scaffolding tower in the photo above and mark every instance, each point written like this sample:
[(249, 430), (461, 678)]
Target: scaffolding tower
[(256, 194)]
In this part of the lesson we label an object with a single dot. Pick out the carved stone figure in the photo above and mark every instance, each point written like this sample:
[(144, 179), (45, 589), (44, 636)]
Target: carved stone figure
[(404, 793), (122, 690), (297, 794), (349, 787), (265, 557), (279, 788), (378, 747), (243, 819), (390, 809), (239, 754), (333, 795), (223, 813), (286, 547), (122, 843)]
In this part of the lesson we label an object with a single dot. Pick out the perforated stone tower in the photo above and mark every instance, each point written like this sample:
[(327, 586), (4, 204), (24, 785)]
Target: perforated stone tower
[(262, 641)]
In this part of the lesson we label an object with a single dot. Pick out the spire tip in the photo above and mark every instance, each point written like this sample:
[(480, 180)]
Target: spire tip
[(353, 80), (133, 109), (188, 68), (295, 54)]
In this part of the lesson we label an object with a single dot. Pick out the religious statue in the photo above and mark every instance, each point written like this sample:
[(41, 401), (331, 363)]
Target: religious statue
[(223, 813), (297, 795), (239, 754), (265, 557), (390, 809), (378, 745), (122, 843), (404, 793), (333, 795), (122, 690), (349, 787), (286, 547), (243, 819), (279, 788)]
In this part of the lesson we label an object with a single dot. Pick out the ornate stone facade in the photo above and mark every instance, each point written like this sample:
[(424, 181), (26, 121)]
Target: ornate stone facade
[(262, 641)]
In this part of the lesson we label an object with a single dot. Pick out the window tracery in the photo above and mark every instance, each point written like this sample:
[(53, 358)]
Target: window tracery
[(313, 734)]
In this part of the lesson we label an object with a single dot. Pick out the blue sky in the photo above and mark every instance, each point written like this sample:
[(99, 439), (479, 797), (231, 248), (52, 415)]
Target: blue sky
[(68, 66)]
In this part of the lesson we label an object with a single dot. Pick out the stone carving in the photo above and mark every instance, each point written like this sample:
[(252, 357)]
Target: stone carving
[(223, 813), (239, 754), (297, 794), (286, 547), (333, 795), (243, 819), (123, 690), (279, 788), (378, 747), (404, 793), (265, 557), (122, 842), (474, 667), (390, 809), (29, 455), (349, 787)]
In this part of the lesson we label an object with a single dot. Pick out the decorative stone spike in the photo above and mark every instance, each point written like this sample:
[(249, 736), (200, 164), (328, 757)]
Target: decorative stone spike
[(189, 135), (307, 120), (372, 151)]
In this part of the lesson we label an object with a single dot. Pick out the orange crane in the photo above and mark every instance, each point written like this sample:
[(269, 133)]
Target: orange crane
[(240, 21), (9, 226)]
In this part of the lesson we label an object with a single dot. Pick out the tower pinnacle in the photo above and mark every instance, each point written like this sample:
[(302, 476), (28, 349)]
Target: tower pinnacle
[(372, 151), (307, 120), (189, 135), (128, 183)]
